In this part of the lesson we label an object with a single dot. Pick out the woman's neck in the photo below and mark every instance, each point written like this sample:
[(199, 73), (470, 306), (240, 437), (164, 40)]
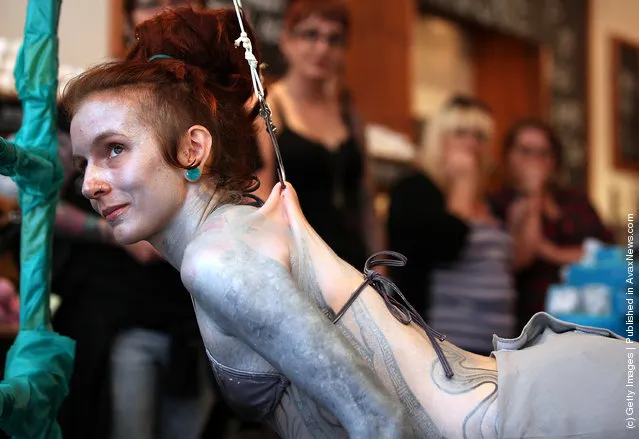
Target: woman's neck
[(200, 204)]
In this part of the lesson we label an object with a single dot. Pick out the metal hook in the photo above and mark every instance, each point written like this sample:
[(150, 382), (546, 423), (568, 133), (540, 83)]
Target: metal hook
[(265, 111)]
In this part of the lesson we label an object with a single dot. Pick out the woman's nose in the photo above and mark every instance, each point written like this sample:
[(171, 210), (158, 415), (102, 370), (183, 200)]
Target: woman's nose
[(472, 144), (93, 188)]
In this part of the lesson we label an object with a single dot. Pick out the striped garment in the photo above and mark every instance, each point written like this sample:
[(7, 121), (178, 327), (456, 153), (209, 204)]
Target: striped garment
[(474, 298)]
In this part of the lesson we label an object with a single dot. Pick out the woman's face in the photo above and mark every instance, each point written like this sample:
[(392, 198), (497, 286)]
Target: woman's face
[(531, 153), (471, 141), (315, 48), (126, 177)]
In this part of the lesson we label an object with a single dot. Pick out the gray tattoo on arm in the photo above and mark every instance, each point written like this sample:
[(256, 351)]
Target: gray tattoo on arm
[(467, 378), (376, 343), (373, 346), (304, 272)]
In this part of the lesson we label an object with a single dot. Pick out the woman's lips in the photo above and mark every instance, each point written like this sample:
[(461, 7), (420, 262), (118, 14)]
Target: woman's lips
[(112, 213)]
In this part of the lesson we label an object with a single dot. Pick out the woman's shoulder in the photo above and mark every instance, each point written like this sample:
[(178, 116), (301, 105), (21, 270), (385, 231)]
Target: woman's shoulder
[(205, 256), (275, 88), (276, 92), (229, 244)]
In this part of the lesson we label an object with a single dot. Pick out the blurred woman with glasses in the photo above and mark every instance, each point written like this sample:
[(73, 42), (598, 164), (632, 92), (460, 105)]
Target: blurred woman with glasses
[(320, 135), (547, 221)]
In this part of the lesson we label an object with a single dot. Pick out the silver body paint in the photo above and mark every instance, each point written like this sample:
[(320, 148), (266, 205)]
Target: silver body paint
[(265, 314)]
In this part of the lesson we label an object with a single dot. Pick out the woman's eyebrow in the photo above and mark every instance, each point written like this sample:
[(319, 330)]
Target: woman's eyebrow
[(105, 134), (97, 140)]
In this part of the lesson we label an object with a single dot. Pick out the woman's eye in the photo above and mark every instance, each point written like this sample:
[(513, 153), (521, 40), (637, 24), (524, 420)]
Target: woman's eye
[(115, 150)]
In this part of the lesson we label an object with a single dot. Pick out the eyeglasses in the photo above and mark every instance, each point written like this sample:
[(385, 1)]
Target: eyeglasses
[(333, 39), (530, 151), (467, 102)]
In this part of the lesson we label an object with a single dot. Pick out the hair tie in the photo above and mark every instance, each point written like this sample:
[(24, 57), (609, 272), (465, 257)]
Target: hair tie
[(159, 56)]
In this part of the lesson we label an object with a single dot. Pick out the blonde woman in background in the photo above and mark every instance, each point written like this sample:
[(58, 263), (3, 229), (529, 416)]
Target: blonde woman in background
[(458, 273)]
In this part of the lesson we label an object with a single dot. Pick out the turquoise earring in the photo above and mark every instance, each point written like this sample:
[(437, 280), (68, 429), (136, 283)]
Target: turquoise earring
[(193, 175)]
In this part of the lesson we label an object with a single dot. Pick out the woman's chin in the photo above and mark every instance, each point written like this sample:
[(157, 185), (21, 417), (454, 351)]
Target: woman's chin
[(317, 73), (127, 237)]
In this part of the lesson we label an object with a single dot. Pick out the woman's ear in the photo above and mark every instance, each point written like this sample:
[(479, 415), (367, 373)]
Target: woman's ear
[(196, 148)]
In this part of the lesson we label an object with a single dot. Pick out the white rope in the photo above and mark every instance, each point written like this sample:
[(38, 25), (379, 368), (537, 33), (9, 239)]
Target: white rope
[(265, 111), (245, 41)]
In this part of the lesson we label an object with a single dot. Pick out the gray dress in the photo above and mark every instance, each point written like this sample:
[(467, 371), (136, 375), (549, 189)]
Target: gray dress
[(560, 380)]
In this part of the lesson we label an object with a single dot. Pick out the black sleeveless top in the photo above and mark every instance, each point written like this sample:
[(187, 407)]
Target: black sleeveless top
[(328, 184)]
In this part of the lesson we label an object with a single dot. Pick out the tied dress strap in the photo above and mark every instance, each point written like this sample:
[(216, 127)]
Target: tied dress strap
[(401, 309)]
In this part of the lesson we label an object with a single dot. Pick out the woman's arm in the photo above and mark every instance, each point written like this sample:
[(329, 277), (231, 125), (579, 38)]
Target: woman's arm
[(420, 228), (586, 223), (559, 255), (461, 198), (524, 224), (80, 225), (76, 223), (254, 298), (419, 225)]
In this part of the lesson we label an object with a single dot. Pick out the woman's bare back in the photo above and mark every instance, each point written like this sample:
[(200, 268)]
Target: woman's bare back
[(278, 239), (401, 355)]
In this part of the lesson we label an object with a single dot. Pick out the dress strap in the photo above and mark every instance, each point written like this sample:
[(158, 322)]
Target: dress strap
[(401, 309)]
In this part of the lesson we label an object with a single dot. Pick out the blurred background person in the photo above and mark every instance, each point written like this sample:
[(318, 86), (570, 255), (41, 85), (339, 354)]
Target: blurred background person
[(548, 222), (319, 132), (459, 254)]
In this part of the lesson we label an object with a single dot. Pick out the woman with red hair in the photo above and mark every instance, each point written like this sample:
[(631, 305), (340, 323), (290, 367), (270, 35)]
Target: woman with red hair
[(320, 134), (295, 336)]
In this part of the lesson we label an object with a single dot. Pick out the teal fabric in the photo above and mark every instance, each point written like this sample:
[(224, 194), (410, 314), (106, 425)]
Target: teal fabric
[(40, 362), (39, 366), (39, 174)]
